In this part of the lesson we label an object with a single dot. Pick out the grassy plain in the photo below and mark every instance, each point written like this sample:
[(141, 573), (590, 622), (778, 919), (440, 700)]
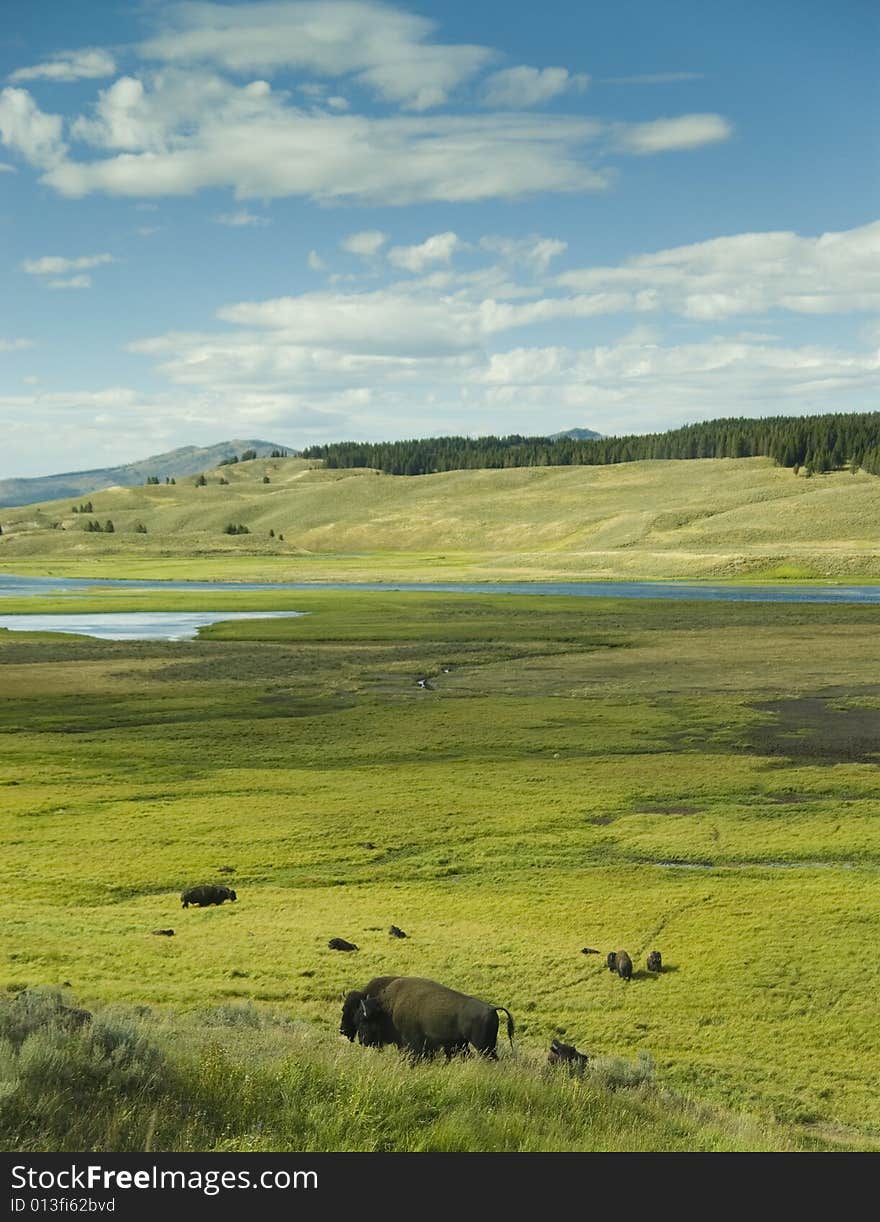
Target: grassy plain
[(710, 518), (698, 777)]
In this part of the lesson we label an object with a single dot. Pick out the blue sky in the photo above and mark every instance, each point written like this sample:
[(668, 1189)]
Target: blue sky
[(309, 221)]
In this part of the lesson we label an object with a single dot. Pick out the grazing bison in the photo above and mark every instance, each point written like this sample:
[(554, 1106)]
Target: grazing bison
[(611, 960), (655, 962), (163, 933), (424, 1017), (567, 1055), (207, 894), (624, 965), (396, 932), (341, 944), (352, 1002), (588, 950)]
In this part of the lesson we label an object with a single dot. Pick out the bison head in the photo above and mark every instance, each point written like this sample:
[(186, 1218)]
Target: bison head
[(371, 1023), (350, 1006), (567, 1055), (232, 894)]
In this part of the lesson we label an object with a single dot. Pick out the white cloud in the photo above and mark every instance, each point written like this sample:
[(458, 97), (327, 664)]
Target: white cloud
[(671, 135), (534, 253), (747, 273), (437, 249), (7, 169), (654, 78), (380, 47), (15, 345), (55, 265), (366, 243), (315, 262), (28, 130), (242, 219), (247, 139), (72, 282), (70, 66), (512, 88)]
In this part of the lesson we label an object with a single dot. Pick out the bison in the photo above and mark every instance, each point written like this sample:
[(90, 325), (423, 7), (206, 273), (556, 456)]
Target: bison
[(352, 1002), (341, 944), (624, 965), (423, 1017), (655, 961), (163, 933), (207, 894), (611, 960), (588, 950), (567, 1055), (396, 932)]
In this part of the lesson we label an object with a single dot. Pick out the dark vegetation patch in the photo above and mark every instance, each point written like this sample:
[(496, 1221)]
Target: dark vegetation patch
[(668, 810), (815, 728)]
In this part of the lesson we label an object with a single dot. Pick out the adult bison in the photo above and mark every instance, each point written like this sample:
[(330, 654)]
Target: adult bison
[(351, 1005), (568, 1056), (655, 961), (424, 1017), (624, 965), (207, 894), (611, 960)]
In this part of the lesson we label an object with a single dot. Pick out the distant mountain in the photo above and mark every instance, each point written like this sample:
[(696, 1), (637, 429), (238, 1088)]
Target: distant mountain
[(188, 460), (575, 435)]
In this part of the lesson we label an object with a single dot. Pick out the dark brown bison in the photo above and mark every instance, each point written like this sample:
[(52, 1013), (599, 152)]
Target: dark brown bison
[(624, 965), (588, 950), (395, 932), (352, 1002), (425, 1017), (611, 960), (655, 961), (341, 944), (163, 933), (208, 893), (568, 1056)]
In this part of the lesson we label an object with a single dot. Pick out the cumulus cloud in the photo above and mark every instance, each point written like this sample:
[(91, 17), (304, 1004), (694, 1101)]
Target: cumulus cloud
[(37, 136), (512, 88), (366, 243), (15, 345), (384, 49), (70, 66), (437, 249), (747, 273), (671, 135), (315, 262)]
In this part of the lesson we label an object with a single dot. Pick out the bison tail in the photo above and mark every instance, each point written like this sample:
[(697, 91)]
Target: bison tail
[(509, 1022)]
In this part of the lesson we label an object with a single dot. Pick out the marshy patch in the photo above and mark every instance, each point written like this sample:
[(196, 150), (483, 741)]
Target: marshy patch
[(818, 728)]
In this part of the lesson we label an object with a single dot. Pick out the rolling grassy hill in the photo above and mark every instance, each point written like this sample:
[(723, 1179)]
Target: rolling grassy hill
[(712, 518), (188, 460)]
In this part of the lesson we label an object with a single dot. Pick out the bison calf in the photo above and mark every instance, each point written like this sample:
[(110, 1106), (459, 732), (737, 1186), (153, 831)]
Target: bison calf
[(655, 962), (207, 894), (567, 1055), (341, 944)]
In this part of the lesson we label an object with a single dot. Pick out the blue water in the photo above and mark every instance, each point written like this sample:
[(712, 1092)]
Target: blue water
[(134, 625), (24, 586)]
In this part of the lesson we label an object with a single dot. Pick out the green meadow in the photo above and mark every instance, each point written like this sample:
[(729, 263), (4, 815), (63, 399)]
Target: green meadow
[(698, 777)]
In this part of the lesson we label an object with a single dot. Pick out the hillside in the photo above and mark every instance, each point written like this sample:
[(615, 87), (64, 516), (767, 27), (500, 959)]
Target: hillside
[(188, 460), (575, 435), (720, 518)]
